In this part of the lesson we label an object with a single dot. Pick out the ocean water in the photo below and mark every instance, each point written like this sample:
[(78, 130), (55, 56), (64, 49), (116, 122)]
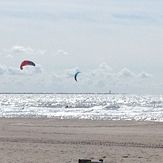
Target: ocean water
[(83, 106)]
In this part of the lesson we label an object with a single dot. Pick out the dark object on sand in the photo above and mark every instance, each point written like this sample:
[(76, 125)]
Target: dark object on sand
[(90, 161), (84, 161)]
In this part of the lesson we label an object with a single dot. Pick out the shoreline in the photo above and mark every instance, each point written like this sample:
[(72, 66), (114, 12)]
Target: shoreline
[(81, 119), (65, 141)]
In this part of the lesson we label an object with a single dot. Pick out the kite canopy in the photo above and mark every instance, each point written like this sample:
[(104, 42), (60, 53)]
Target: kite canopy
[(76, 74), (26, 63)]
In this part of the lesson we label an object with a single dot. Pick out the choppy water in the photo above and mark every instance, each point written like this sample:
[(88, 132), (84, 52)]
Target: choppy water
[(83, 106)]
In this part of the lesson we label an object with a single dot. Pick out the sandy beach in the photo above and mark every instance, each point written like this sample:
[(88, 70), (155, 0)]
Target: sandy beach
[(65, 141)]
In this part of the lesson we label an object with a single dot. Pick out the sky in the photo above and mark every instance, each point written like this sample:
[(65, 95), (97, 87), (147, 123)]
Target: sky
[(115, 44)]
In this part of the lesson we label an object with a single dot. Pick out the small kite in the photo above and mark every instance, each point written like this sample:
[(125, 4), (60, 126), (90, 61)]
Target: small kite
[(26, 63), (75, 76)]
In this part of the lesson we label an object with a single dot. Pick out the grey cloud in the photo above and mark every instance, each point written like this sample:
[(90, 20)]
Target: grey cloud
[(133, 17), (83, 13)]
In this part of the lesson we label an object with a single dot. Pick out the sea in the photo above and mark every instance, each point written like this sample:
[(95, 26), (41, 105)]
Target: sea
[(83, 106)]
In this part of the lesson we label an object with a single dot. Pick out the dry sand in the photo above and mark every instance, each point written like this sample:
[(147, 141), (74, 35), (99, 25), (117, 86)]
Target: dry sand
[(65, 141)]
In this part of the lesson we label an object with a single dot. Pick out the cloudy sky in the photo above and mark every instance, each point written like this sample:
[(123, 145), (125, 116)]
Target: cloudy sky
[(116, 44)]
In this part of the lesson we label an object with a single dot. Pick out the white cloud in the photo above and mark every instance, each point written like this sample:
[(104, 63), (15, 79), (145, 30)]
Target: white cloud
[(24, 51), (9, 70), (21, 49), (2, 69), (126, 73), (61, 52), (103, 71), (71, 72), (104, 78), (144, 75), (37, 69), (122, 33), (30, 70), (100, 79), (105, 67), (13, 71)]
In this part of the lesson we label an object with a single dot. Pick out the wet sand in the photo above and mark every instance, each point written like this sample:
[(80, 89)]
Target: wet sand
[(65, 141)]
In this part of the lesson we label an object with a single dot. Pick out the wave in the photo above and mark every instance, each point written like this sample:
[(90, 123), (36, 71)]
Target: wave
[(83, 106)]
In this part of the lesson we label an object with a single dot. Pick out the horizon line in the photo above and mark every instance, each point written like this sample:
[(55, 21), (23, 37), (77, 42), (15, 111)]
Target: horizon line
[(58, 93)]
